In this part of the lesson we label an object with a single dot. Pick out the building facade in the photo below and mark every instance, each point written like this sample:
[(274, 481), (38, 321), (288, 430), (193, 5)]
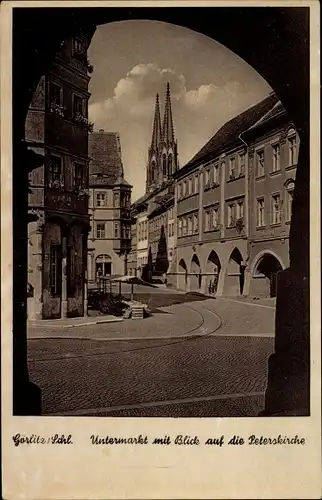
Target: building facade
[(153, 214), (109, 240), (233, 206), (57, 128)]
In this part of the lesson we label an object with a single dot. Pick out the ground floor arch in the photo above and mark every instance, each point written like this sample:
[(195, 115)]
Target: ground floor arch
[(213, 270), (264, 274), (195, 274), (235, 274), (182, 275)]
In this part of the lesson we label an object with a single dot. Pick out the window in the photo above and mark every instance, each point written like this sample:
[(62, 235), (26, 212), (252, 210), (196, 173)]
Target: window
[(276, 209), (240, 210), (116, 230), (77, 106), (215, 217), (190, 186), (55, 172), (276, 158), (292, 150), (289, 200), (231, 215), (207, 178), (55, 269), (260, 163), (100, 230), (116, 200), (216, 174), (78, 176), (232, 167), (179, 191), (195, 223), (55, 94), (189, 225), (170, 165), (241, 164), (164, 165), (179, 227), (207, 220), (184, 227), (79, 46), (100, 199), (184, 189), (196, 183), (260, 212), (139, 231)]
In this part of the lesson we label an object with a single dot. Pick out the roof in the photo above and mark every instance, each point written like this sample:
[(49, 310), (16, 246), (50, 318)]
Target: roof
[(276, 111), (230, 132), (106, 166)]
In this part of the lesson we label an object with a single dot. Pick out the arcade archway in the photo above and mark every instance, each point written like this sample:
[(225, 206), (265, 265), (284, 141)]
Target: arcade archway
[(183, 275), (37, 36), (213, 268), (195, 274), (234, 279), (265, 275)]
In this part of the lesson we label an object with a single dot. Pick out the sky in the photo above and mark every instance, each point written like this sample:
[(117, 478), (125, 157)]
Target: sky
[(133, 61)]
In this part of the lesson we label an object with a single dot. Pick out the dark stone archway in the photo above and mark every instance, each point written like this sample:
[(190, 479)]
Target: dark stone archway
[(270, 38)]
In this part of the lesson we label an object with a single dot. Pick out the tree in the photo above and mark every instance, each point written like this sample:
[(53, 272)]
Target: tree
[(162, 263)]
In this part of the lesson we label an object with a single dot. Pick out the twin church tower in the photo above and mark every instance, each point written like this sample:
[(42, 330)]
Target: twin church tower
[(163, 154)]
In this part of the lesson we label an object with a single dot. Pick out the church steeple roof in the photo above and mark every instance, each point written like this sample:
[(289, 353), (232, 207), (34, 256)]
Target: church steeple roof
[(156, 134), (168, 131)]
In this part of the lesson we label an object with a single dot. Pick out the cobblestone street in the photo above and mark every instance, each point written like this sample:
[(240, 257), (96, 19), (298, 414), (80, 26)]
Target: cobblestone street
[(199, 358)]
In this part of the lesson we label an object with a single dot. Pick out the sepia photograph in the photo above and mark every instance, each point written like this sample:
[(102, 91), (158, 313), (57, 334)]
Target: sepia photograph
[(160, 249), (161, 212)]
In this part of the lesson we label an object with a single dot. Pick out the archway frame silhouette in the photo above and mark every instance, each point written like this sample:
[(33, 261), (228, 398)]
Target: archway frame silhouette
[(37, 36)]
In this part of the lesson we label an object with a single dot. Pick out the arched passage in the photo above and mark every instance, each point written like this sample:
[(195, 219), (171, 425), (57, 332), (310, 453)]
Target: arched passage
[(43, 32), (213, 268), (264, 275), (195, 274), (234, 279), (183, 275)]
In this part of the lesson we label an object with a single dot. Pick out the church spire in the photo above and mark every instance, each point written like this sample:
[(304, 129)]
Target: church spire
[(167, 131), (156, 134)]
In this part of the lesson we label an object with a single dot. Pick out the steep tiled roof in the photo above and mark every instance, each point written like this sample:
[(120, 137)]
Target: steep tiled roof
[(274, 112), (230, 132), (106, 163)]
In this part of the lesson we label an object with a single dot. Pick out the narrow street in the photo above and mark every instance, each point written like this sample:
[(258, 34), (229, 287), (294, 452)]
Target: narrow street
[(196, 357)]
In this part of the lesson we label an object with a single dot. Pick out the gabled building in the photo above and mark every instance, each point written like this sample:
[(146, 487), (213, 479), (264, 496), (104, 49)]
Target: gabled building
[(109, 240), (57, 128), (232, 230)]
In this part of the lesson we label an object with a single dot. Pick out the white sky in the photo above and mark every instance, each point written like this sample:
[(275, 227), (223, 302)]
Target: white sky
[(133, 60)]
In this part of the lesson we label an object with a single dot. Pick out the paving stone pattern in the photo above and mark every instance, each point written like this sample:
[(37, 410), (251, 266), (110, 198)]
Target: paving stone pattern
[(123, 376)]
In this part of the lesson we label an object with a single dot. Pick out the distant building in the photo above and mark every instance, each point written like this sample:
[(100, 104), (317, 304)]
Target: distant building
[(233, 205), (109, 240), (57, 127), (153, 213)]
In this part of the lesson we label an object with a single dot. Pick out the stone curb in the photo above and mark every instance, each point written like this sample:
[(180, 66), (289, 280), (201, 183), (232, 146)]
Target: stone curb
[(73, 325)]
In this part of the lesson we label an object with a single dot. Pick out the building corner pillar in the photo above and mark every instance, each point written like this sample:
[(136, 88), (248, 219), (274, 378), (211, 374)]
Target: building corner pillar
[(64, 300), (288, 389)]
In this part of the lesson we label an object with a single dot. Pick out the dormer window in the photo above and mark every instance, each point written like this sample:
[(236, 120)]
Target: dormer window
[(79, 47)]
